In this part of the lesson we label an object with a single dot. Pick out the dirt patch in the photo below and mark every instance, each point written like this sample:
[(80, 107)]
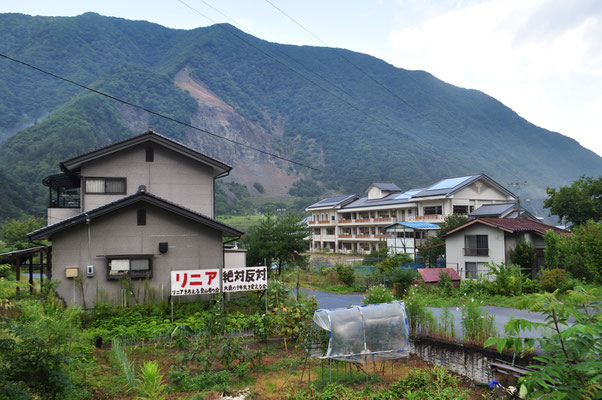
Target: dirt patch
[(203, 95)]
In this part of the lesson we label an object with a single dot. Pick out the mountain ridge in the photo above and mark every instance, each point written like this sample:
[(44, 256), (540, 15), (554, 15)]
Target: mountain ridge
[(414, 131)]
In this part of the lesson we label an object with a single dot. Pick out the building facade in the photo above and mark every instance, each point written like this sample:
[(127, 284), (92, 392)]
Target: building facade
[(355, 224), (470, 247), (122, 217)]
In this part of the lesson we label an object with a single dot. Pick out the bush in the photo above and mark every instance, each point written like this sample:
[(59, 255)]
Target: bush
[(476, 323), (555, 278), (445, 283), (387, 265), (421, 319), (345, 274), (523, 255), (378, 294), (429, 383), (530, 286), (402, 279), (508, 279)]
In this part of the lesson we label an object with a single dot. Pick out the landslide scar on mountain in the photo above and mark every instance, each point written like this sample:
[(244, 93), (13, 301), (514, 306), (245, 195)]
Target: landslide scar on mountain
[(202, 95)]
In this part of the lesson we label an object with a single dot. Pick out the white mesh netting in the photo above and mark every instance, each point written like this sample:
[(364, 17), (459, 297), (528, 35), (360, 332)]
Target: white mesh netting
[(363, 333)]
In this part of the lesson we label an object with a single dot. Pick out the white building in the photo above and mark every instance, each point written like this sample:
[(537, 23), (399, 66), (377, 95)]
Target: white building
[(353, 223)]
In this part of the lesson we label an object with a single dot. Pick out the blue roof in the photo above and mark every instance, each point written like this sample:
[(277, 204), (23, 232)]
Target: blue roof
[(414, 225), (449, 183)]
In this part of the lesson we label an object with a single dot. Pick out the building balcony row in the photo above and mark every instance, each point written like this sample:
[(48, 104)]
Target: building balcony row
[(383, 220)]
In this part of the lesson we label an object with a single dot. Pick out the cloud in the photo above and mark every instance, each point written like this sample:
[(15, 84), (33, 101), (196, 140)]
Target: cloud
[(533, 55)]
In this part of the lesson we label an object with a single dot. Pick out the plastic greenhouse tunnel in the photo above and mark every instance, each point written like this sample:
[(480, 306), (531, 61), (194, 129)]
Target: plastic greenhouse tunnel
[(362, 333)]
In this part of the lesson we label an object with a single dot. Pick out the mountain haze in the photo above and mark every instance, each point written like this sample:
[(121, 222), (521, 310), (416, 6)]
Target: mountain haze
[(349, 114)]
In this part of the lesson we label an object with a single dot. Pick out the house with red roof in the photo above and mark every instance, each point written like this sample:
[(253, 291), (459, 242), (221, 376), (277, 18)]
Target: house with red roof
[(430, 276), (473, 245)]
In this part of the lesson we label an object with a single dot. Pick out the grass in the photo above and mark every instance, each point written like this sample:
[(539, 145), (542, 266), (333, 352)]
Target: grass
[(241, 222), (322, 282)]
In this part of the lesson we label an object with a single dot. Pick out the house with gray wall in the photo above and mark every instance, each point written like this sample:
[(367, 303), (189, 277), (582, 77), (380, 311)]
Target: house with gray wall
[(123, 216), (470, 247)]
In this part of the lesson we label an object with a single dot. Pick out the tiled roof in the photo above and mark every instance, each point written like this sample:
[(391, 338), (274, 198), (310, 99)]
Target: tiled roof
[(521, 225), (432, 274), (334, 201), (492, 209), (511, 225)]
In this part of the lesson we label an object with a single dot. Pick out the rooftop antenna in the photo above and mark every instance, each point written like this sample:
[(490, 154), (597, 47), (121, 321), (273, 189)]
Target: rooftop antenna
[(517, 187)]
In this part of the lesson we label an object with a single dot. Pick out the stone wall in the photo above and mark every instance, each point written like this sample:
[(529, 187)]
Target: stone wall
[(470, 361)]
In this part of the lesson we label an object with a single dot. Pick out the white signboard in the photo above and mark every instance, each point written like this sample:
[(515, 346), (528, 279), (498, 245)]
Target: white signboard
[(206, 281)]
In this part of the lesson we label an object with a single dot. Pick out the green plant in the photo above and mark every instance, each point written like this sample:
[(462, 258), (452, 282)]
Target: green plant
[(508, 279), (530, 286), (402, 279), (523, 255), (555, 279), (150, 385), (445, 284), (477, 324), (345, 274), (230, 350), (127, 367), (422, 320), (571, 359), (241, 370), (377, 294), (429, 383)]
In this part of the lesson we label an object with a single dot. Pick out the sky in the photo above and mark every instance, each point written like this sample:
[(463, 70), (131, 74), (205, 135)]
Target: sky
[(542, 58)]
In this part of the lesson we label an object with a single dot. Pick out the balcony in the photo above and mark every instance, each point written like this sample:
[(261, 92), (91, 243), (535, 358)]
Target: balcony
[(428, 217), (361, 220), (383, 219), (312, 222), (380, 236), (363, 236), (324, 222), (476, 251), (345, 221), (344, 235)]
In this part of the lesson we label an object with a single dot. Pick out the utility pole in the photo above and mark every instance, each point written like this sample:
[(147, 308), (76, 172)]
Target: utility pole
[(517, 187)]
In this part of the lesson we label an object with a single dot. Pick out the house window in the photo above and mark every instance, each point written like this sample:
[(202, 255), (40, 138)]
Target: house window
[(330, 231), (141, 217), (460, 209), (432, 210), (317, 231), (476, 245), (471, 270), (129, 267), (105, 185), (150, 154)]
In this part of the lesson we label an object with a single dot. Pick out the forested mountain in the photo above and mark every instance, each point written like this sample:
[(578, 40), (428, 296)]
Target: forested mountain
[(349, 114)]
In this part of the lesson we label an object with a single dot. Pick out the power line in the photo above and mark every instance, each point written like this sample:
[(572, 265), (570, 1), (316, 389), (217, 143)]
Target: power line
[(371, 114), (343, 57), (163, 115)]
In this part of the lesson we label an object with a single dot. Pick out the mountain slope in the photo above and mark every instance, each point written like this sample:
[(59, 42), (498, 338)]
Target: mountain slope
[(306, 103)]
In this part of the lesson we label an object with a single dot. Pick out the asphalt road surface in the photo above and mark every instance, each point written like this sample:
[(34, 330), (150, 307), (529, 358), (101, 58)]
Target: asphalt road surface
[(502, 314)]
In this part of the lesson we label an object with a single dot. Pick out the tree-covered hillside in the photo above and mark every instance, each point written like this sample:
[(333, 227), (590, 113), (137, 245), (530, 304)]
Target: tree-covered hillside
[(354, 116)]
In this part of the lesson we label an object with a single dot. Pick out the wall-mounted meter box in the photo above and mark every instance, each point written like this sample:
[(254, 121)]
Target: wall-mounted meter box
[(90, 270), (71, 272)]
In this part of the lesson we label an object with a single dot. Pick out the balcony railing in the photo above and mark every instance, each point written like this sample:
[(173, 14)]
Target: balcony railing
[(476, 251), (65, 203), (344, 235), (345, 221), (362, 236), (425, 217), (312, 222), (324, 222), (383, 219), (362, 220), (380, 236)]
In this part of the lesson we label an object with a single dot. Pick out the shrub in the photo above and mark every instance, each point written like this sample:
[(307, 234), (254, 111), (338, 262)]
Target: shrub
[(477, 324), (378, 294), (530, 286), (402, 279), (508, 279), (523, 254), (445, 283), (555, 278), (345, 274), (429, 383), (387, 265)]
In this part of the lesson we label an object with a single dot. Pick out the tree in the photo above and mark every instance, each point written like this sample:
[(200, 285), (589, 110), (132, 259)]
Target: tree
[(571, 359), (577, 203), (523, 255), (14, 232), (277, 239)]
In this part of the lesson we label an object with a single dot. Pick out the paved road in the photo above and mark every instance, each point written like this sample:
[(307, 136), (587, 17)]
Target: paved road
[(502, 314)]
